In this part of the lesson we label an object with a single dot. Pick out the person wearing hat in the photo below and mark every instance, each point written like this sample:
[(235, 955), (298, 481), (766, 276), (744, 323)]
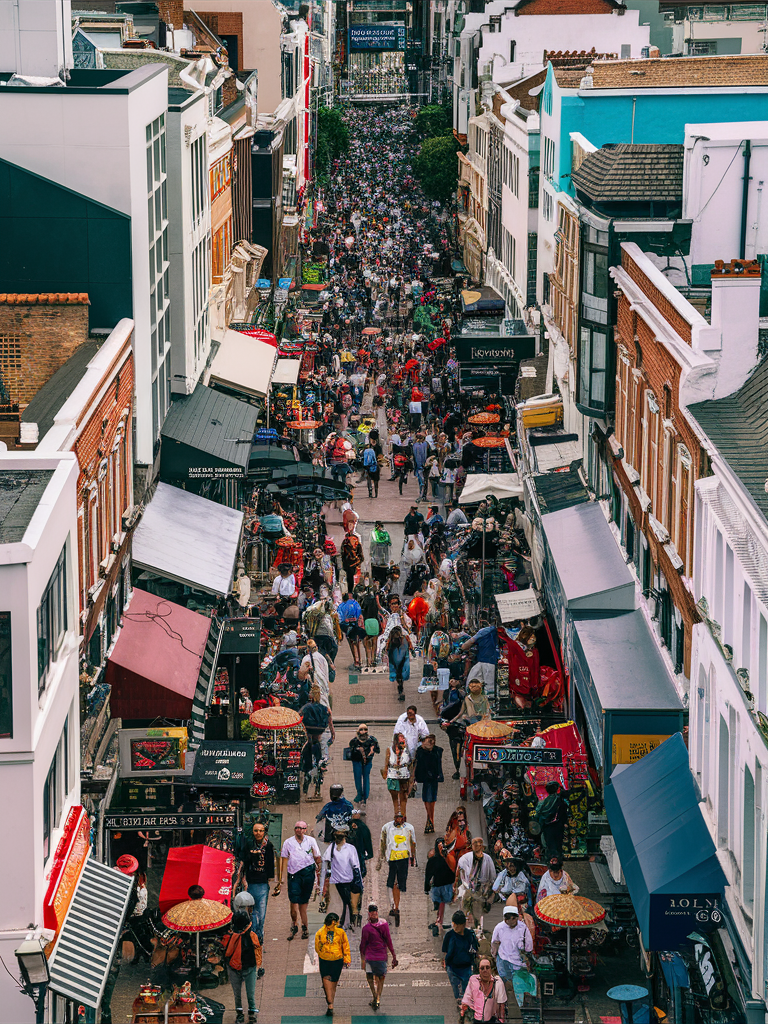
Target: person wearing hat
[(243, 955), (333, 954), (341, 867), (375, 944), (300, 859), (459, 951), (510, 941), (555, 880)]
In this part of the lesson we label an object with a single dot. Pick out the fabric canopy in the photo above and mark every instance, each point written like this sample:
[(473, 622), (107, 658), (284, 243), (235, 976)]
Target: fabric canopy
[(286, 371), (243, 364), (664, 845), (156, 661), (500, 485), (196, 865), (190, 539)]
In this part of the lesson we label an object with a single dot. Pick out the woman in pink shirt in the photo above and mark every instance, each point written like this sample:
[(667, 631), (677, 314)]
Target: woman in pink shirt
[(485, 997)]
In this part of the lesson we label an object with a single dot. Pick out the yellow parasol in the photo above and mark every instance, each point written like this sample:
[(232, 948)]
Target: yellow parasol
[(564, 910), (487, 729)]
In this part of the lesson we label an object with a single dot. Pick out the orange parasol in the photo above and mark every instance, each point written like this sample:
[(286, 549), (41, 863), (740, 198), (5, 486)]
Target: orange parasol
[(275, 718), (302, 425), (564, 910), (489, 442), (488, 729), (484, 417), (197, 916), (371, 330)]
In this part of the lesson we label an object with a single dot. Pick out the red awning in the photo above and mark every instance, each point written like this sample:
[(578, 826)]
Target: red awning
[(196, 865), (155, 664)]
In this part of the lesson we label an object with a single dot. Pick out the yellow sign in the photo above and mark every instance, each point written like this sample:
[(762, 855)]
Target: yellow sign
[(628, 749)]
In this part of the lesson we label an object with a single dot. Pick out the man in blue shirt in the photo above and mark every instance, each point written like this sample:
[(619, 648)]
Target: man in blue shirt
[(420, 453), (487, 641), (349, 612), (338, 811)]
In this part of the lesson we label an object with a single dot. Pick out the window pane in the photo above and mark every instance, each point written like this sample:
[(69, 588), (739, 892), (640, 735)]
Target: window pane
[(598, 350), (150, 180)]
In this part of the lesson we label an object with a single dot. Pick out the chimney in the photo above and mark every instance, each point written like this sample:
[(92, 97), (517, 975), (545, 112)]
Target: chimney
[(735, 317)]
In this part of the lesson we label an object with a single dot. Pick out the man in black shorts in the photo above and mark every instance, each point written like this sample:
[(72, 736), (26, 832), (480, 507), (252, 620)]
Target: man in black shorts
[(300, 855), (398, 847)]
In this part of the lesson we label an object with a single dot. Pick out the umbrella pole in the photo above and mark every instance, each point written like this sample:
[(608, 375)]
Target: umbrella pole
[(568, 950), (197, 951)]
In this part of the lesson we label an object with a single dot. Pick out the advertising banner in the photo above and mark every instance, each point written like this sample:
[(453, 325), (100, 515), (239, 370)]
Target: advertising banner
[(381, 36)]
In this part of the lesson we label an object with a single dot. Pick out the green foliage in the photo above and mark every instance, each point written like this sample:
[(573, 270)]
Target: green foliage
[(432, 122), (331, 142), (437, 167)]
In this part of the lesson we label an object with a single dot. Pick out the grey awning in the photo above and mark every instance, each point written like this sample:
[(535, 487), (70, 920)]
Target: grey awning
[(591, 570), (207, 435), (86, 944), (189, 539)]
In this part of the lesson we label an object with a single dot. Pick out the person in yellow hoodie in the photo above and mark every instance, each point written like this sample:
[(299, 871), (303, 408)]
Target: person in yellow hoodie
[(332, 948)]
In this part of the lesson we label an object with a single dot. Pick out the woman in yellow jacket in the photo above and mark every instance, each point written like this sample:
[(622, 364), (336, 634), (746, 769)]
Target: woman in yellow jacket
[(332, 948)]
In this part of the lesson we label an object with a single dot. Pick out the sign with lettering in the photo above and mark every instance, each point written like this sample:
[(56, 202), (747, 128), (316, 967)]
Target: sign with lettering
[(379, 36), (627, 748), (488, 755), (241, 636), (673, 917), (68, 861), (157, 751), (224, 763), (215, 473), (143, 794), (197, 819), (496, 351)]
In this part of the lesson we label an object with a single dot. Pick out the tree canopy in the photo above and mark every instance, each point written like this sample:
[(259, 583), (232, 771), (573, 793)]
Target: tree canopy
[(432, 122), (332, 140), (437, 167)]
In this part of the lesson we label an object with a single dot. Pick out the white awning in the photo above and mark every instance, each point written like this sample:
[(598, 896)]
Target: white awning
[(243, 364), (286, 371), (501, 485), (88, 938), (189, 539), (521, 604)]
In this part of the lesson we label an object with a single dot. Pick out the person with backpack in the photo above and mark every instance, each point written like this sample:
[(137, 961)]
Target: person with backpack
[(372, 470), (318, 722), (243, 956)]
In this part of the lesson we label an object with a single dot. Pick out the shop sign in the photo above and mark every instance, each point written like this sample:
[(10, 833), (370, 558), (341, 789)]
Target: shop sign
[(68, 862), (626, 749), (486, 754), (241, 636), (673, 917), (494, 351), (215, 473), (158, 750), (227, 763), (381, 36), (196, 819), (144, 794)]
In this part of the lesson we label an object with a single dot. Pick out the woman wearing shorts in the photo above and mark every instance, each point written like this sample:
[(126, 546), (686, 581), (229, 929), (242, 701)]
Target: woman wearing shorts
[(375, 944), (399, 769), (372, 626), (332, 948)]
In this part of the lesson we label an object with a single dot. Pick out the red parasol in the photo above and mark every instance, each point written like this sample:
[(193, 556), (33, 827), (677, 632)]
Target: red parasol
[(565, 910), (196, 865), (302, 425), (489, 442), (484, 417)]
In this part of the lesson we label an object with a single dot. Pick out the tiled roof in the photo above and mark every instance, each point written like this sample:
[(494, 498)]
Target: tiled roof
[(632, 172), (44, 299), (738, 426), (681, 72)]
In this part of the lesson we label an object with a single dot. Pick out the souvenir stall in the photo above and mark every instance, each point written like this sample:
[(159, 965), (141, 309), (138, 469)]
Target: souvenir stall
[(279, 737), (487, 735)]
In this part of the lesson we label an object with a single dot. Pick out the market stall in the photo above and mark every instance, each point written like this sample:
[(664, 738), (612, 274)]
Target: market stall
[(279, 738)]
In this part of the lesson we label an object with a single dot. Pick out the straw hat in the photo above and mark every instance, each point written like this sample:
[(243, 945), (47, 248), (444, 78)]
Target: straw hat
[(197, 916), (275, 718)]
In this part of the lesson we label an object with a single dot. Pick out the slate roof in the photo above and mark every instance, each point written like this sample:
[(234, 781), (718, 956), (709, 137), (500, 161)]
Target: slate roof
[(738, 427), (207, 420), (556, 491), (20, 494), (649, 172), (129, 60), (681, 72), (54, 393)]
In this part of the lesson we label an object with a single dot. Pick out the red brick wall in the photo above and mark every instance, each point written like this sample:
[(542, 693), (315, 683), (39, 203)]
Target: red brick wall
[(227, 23), (664, 306), (47, 335), (171, 12), (555, 7)]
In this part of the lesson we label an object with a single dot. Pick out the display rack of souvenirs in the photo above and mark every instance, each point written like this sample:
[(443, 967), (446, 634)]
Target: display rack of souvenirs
[(279, 738)]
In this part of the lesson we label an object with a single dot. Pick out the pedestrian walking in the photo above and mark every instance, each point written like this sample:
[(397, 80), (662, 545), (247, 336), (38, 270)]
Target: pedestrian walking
[(351, 621), (438, 883), (413, 727), (360, 838), (300, 860), (372, 470), (398, 771), (362, 748), (338, 811), (397, 846), (341, 867), (399, 650), (485, 997), (475, 875), (375, 945), (332, 948), (510, 941), (429, 772), (243, 956), (459, 951), (258, 869)]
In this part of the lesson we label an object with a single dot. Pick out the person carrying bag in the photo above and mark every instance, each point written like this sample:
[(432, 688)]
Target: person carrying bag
[(485, 997)]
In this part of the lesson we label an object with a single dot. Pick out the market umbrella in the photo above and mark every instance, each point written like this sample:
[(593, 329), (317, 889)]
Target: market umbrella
[(564, 910), (489, 442), (371, 330), (302, 425), (275, 718), (195, 916), (484, 417), (487, 729)]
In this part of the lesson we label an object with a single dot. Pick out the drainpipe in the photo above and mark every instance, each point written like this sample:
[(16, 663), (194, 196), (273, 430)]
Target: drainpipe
[(745, 199)]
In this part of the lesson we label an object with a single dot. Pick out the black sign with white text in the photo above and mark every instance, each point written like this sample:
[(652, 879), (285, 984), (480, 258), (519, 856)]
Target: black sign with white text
[(486, 754), (134, 822)]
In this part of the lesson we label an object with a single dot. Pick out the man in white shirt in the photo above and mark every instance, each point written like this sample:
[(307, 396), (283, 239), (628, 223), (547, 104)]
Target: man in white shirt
[(413, 727), (284, 585), (510, 940), (300, 854), (476, 873), (397, 846), (315, 665)]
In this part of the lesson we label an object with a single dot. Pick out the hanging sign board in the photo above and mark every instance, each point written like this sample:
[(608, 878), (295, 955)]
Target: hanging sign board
[(149, 752), (494, 351), (488, 755), (196, 819)]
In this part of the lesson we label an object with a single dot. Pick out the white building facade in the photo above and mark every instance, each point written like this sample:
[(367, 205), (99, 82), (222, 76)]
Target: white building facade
[(39, 733)]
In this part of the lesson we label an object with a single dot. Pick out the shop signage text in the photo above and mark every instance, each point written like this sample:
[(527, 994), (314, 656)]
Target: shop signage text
[(224, 764), (672, 917), (484, 754), (377, 37), (196, 819), (241, 636), (627, 749), (495, 351), (215, 473)]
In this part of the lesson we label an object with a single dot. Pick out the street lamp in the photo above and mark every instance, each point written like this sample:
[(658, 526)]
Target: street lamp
[(33, 965)]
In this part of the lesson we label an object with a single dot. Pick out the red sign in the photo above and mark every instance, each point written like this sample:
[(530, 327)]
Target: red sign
[(68, 861)]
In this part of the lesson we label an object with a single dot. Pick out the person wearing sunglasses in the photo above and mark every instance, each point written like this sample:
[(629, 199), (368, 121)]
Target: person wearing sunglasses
[(362, 748), (485, 997)]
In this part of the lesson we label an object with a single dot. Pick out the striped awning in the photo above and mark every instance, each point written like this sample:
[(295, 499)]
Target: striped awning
[(86, 944)]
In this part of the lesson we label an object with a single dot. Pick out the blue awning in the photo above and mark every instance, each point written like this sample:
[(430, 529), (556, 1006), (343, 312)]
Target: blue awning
[(666, 852)]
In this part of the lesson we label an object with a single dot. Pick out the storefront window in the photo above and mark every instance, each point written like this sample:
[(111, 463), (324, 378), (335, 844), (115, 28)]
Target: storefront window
[(52, 620)]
